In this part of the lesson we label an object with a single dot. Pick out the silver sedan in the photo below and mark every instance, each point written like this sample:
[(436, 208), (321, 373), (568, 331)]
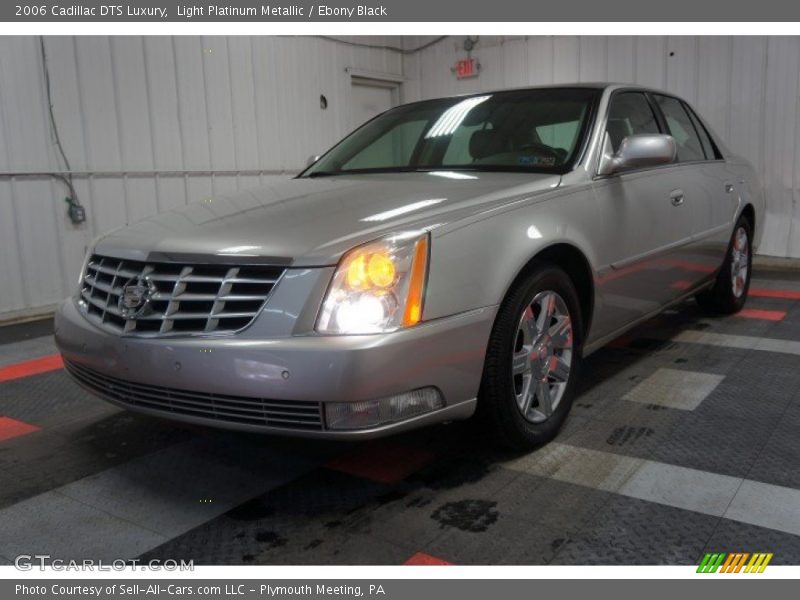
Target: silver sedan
[(450, 257)]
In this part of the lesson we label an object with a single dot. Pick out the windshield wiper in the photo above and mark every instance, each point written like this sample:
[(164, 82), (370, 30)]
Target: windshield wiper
[(325, 174), (369, 171)]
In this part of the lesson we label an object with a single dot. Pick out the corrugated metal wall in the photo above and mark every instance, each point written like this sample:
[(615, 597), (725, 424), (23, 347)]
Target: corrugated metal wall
[(747, 87), (241, 104), (153, 104)]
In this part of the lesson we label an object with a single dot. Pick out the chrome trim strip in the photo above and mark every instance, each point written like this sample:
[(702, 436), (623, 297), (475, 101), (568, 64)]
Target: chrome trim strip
[(217, 259), (214, 317)]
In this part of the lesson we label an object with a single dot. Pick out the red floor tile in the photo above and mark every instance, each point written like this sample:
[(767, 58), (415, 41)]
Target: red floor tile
[(682, 285), (620, 342), (420, 558), (693, 267), (383, 462), (757, 313), (11, 428), (767, 293), (31, 367)]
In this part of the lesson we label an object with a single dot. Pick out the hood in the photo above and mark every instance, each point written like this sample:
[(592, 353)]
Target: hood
[(312, 222)]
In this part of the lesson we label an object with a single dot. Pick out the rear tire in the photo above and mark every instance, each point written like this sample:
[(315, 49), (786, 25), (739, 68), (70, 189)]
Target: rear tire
[(733, 281), (533, 360)]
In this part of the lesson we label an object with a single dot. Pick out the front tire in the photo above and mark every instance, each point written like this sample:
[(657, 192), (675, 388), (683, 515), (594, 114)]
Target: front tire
[(733, 281), (533, 360)]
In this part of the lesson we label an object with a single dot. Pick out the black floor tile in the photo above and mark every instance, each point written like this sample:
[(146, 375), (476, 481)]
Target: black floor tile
[(731, 536), (18, 332), (635, 532)]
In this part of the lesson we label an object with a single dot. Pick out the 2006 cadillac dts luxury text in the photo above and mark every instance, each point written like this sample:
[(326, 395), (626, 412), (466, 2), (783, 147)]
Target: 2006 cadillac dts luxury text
[(450, 257)]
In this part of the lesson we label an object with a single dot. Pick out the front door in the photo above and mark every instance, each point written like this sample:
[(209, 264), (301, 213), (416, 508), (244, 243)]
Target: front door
[(649, 224)]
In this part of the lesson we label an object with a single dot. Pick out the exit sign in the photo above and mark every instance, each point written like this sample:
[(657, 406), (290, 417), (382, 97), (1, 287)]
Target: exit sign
[(466, 67)]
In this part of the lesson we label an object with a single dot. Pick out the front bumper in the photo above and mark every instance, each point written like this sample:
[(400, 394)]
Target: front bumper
[(445, 353)]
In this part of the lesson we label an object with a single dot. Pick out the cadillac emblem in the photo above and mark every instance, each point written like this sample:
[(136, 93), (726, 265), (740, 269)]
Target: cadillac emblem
[(135, 297)]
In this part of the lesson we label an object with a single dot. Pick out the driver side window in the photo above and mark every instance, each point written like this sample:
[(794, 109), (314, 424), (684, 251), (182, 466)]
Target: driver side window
[(630, 114)]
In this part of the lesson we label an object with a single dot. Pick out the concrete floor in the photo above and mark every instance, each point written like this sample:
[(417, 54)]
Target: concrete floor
[(683, 441)]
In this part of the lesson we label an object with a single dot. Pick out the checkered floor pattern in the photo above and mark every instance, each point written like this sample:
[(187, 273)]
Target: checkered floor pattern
[(684, 440)]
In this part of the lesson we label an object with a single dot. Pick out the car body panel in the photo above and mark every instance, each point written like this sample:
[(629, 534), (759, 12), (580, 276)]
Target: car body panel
[(312, 222), (445, 352), (643, 251)]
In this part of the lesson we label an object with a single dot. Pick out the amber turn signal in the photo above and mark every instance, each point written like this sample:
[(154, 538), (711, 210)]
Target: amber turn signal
[(416, 286)]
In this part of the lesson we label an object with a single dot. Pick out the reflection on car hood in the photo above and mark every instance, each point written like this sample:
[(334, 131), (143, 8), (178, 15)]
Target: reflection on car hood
[(313, 221)]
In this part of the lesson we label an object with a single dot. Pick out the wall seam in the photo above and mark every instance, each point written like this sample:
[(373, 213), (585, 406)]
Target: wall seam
[(148, 94)]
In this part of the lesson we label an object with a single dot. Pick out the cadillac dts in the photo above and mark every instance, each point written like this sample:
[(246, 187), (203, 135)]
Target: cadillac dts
[(449, 258)]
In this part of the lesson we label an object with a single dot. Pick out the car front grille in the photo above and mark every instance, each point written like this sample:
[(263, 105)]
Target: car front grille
[(300, 415), (179, 298)]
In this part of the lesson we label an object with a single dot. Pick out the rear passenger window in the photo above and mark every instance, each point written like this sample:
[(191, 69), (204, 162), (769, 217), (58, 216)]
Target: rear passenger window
[(705, 139), (682, 129), (630, 114)]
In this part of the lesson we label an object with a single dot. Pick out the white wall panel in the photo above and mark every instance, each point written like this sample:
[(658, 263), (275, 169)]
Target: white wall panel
[(747, 87), (650, 54), (189, 103), (193, 113), (566, 59), (98, 98), (682, 62), (10, 259), (593, 62), (713, 94), (247, 150), (69, 114), (515, 62), (746, 105), (27, 142), (622, 58), (154, 105), (135, 129), (780, 124), (218, 93), (541, 65), (165, 124)]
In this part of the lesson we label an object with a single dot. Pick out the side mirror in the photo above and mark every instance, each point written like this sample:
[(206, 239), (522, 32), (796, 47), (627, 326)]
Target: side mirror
[(312, 159), (636, 152)]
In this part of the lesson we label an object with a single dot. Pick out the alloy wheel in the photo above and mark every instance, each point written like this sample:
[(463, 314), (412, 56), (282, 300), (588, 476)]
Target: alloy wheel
[(740, 262), (542, 356)]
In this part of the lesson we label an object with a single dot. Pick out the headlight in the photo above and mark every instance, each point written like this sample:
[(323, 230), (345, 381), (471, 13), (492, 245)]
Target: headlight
[(377, 287)]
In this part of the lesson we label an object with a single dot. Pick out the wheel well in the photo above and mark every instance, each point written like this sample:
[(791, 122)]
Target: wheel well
[(575, 264), (750, 213)]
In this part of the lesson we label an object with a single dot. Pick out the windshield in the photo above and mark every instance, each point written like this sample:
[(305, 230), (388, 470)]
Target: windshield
[(529, 130)]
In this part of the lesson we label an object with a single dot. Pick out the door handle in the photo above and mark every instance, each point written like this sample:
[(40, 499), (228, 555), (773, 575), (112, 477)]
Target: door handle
[(729, 188), (677, 197)]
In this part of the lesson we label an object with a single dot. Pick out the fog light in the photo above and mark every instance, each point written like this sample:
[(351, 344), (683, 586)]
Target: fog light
[(373, 413)]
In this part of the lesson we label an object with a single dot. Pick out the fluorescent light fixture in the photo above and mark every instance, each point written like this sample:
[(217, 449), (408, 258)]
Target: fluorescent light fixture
[(396, 212), (453, 116)]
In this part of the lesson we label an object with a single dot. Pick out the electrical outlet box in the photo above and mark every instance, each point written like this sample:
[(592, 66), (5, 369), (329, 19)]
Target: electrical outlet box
[(77, 214)]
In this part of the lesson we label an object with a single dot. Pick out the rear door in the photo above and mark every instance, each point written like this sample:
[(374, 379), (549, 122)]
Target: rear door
[(649, 222), (716, 202)]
